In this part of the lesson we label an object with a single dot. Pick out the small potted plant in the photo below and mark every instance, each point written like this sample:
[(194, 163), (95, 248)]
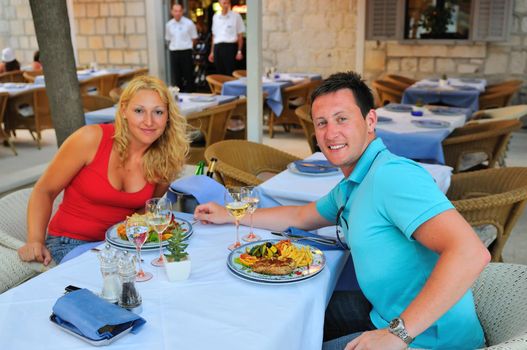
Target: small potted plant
[(177, 263)]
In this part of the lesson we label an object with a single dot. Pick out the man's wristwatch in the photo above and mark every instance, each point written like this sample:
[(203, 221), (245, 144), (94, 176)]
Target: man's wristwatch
[(396, 327)]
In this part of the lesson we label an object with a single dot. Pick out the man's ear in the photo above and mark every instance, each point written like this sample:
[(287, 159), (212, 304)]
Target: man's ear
[(371, 120)]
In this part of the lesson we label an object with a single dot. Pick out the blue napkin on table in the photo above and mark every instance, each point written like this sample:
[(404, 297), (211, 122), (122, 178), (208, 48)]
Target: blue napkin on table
[(298, 232), (202, 187), (86, 314), (315, 166)]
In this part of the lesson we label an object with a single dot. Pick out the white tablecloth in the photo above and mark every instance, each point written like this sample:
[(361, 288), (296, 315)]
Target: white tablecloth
[(288, 188), (211, 310)]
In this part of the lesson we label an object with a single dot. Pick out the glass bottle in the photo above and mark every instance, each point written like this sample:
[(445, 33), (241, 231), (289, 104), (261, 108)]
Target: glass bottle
[(111, 285), (129, 297)]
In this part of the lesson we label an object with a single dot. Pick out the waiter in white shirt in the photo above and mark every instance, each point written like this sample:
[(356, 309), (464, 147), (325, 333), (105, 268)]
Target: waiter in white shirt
[(182, 34), (227, 39)]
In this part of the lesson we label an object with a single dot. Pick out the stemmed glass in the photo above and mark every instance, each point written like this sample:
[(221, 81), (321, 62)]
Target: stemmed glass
[(237, 208), (250, 195), (158, 216), (137, 232)]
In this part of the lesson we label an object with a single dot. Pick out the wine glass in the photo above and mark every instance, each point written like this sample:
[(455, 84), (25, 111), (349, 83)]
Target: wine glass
[(237, 208), (137, 232), (158, 216), (250, 195)]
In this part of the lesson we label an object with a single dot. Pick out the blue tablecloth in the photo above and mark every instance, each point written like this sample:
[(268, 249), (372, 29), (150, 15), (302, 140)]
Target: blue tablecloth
[(457, 98), (273, 90)]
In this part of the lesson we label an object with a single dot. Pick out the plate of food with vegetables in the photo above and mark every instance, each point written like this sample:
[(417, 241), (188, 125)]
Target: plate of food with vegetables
[(116, 235), (276, 261)]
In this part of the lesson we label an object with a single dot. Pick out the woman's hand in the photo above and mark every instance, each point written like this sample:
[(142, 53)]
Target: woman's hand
[(35, 251), (212, 213)]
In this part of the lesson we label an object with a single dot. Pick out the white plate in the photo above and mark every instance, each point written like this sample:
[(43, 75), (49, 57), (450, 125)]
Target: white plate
[(298, 274), (113, 238), (431, 123), (202, 98), (292, 168)]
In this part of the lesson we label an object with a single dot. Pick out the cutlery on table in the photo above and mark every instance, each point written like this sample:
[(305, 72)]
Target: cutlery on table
[(321, 240)]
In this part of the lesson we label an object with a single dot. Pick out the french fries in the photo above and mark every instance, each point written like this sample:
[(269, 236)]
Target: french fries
[(301, 256)]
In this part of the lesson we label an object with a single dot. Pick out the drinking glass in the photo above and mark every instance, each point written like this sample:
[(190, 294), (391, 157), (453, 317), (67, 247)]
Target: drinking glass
[(158, 216), (250, 196), (137, 232), (236, 208)]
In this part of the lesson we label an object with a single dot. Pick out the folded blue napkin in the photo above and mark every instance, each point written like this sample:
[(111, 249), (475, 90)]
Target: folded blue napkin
[(92, 317), (315, 166), (202, 187), (298, 232)]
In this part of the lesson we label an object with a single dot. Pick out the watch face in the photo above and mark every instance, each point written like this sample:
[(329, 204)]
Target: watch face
[(395, 323)]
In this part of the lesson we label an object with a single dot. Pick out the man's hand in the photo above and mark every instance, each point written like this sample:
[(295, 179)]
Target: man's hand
[(239, 55), (377, 339), (35, 251), (211, 57), (212, 213)]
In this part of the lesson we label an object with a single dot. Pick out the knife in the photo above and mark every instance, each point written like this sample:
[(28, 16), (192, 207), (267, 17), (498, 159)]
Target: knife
[(320, 239)]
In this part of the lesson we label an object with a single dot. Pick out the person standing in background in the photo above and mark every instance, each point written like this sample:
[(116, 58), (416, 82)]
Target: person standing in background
[(181, 33), (227, 39)]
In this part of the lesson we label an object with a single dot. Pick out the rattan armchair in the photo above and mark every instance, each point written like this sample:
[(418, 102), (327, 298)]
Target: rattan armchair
[(494, 114), (304, 115), (13, 231), (3, 135), (100, 85), (30, 75), (216, 81), (401, 82), (499, 97), (488, 139), (494, 197), (239, 73), (497, 86), (95, 102), (207, 127), (14, 76), (288, 116), (501, 305), (240, 162), (387, 92)]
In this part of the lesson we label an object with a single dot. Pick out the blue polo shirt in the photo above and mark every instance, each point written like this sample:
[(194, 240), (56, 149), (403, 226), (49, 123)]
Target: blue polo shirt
[(385, 199)]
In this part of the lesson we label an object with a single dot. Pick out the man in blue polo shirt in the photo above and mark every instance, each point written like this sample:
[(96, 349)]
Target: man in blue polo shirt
[(415, 256)]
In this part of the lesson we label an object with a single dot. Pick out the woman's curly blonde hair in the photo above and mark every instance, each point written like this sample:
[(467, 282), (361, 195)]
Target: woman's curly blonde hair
[(165, 158)]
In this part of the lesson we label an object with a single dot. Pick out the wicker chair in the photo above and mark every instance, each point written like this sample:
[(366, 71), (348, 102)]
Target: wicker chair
[(387, 92), (3, 135), (497, 98), (239, 73), (209, 126), (95, 102), (13, 231), (14, 76), (494, 114), (240, 162), (400, 79), (30, 75), (466, 144), (100, 85), (497, 86), (501, 305), (216, 81), (304, 115), (288, 116), (237, 124), (494, 197)]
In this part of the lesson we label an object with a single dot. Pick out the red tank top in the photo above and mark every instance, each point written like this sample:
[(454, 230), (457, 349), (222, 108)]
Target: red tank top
[(91, 204)]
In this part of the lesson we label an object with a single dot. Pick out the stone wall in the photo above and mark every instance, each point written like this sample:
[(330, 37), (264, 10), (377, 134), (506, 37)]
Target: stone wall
[(111, 33), (309, 35), (17, 30), (496, 61)]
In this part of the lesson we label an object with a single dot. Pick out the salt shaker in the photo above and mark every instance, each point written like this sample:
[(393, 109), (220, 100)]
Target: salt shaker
[(111, 286), (129, 297)]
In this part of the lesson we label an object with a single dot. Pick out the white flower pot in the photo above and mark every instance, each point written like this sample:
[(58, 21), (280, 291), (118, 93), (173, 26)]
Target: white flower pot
[(177, 270)]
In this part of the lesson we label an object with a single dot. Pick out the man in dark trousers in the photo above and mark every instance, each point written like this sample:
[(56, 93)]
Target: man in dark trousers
[(181, 33), (227, 39)]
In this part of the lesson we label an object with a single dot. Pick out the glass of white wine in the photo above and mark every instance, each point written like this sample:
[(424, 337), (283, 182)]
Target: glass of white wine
[(236, 208), (158, 216), (137, 233), (250, 195)]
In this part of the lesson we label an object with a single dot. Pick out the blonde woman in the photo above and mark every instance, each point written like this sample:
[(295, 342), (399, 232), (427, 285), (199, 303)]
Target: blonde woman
[(107, 172)]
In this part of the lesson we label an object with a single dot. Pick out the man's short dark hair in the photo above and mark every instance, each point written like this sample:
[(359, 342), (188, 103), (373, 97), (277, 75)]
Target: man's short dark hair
[(347, 80)]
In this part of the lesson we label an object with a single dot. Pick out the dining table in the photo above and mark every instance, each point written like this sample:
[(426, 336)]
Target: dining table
[(418, 137), (187, 102), (213, 309), (271, 85), (86, 74), (14, 89), (456, 92)]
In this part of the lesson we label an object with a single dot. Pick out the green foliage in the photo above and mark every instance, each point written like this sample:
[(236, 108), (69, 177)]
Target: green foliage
[(176, 246)]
